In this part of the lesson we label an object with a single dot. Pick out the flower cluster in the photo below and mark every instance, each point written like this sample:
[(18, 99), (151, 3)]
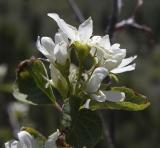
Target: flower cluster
[(75, 79), (81, 68), (27, 140)]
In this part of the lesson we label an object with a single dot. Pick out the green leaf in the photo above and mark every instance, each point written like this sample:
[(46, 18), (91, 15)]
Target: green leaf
[(30, 86), (85, 128), (133, 101)]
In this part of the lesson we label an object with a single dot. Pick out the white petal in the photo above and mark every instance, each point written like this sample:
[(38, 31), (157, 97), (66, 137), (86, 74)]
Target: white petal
[(86, 105), (48, 43), (13, 144), (85, 30), (61, 37), (55, 135), (41, 48), (105, 42), (114, 96), (100, 97), (51, 142), (60, 52), (110, 64), (127, 61), (69, 30), (119, 54), (95, 40), (115, 46), (95, 81), (26, 139), (124, 69), (46, 47), (119, 57)]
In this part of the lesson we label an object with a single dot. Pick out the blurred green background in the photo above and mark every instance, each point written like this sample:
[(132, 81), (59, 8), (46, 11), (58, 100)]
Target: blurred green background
[(21, 21)]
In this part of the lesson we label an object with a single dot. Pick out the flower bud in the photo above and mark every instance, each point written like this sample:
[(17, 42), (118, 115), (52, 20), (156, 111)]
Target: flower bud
[(60, 53)]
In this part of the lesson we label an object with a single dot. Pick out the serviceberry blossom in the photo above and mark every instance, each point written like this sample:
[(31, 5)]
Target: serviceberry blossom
[(54, 51), (111, 56), (93, 85), (26, 140), (82, 34)]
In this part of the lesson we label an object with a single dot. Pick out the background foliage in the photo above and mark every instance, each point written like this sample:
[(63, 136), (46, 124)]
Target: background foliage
[(21, 21)]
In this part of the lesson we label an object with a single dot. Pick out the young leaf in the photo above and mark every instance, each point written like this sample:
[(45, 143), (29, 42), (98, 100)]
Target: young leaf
[(133, 101), (85, 128), (31, 83)]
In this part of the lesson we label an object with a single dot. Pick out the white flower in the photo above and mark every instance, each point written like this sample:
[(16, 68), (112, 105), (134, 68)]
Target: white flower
[(51, 142), (54, 51), (26, 140), (95, 80), (93, 85), (111, 56), (112, 96), (82, 34), (61, 53), (46, 46)]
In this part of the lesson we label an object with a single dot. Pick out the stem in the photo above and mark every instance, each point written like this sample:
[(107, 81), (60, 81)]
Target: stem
[(76, 11), (112, 128), (106, 131), (58, 107)]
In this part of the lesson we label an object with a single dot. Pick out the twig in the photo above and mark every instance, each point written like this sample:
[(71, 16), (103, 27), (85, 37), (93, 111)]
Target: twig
[(106, 131), (131, 22), (76, 10), (113, 20), (58, 107), (139, 4), (120, 5)]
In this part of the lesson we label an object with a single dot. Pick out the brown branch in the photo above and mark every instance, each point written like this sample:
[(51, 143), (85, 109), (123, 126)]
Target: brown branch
[(131, 22), (113, 20), (105, 129), (138, 5), (120, 5)]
